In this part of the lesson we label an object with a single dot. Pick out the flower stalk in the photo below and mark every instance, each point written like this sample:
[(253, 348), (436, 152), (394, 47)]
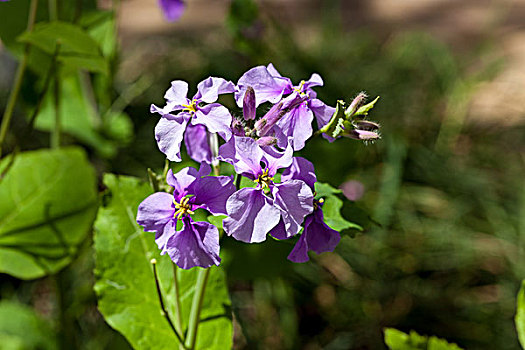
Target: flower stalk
[(13, 96), (196, 307)]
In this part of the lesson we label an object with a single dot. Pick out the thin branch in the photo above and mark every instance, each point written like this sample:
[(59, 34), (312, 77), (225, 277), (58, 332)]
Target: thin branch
[(161, 300)]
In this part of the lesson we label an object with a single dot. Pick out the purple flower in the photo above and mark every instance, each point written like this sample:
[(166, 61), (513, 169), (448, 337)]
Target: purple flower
[(296, 124), (172, 9), (317, 235), (195, 243), (200, 110), (254, 212)]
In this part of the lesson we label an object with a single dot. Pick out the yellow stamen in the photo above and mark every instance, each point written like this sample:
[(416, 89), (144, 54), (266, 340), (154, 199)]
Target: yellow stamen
[(192, 107), (182, 208), (299, 89), (264, 180)]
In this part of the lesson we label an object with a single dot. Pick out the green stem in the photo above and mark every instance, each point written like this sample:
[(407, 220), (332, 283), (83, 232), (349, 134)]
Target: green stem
[(41, 96), (8, 113), (53, 10), (238, 179), (178, 308), (164, 312), (196, 307), (55, 135)]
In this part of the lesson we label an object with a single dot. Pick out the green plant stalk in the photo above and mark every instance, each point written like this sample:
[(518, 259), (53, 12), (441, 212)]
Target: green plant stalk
[(13, 96), (196, 307), (178, 308), (53, 9), (55, 135), (163, 309)]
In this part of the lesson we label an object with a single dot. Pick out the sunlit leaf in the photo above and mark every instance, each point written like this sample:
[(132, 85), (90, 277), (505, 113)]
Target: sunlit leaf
[(397, 340), (78, 116), (48, 205), (332, 207), (125, 283), (77, 49), (520, 315)]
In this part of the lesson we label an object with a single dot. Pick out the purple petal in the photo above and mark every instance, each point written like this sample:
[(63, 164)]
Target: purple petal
[(279, 231), (181, 181), (155, 211), (209, 89), (244, 154), (196, 141), (317, 236), (177, 93), (172, 9), (251, 215), (315, 80), (167, 109), (322, 112), (297, 124), (266, 86), (204, 169), (197, 244), (216, 118), (212, 192), (275, 160), (295, 199), (169, 133), (273, 71), (301, 169)]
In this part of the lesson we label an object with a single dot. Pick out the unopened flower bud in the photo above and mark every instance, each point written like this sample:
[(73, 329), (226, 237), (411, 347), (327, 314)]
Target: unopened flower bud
[(237, 127), (267, 141), (355, 104), (264, 124), (248, 104), (366, 125), (363, 135)]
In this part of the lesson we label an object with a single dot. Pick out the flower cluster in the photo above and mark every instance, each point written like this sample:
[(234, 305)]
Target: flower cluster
[(257, 146)]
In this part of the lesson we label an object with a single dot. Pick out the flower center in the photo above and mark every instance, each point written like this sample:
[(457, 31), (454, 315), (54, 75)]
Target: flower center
[(318, 203), (300, 88), (183, 208), (264, 180), (192, 107)]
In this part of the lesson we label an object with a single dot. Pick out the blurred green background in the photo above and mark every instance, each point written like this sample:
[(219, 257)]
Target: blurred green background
[(444, 199)]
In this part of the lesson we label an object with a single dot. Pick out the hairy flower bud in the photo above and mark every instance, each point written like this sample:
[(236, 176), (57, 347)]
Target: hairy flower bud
[(363, 135), (355, 104), (248, 104), (366, 125), (267, 141), (264, 124), (237, 127)]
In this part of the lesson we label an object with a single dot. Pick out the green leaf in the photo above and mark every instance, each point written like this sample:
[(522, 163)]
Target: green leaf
[(397, 340), (324, 189), (363, 110), (78, 117), (77, 48), (21, 328), (125, 284), (48, 205), (216, 220), (520, 315), (332, 208), (101, 27), (332, 215), (118, 126)]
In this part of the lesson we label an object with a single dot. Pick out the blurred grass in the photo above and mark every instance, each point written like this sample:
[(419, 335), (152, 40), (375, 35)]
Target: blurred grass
[(447, 258)]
